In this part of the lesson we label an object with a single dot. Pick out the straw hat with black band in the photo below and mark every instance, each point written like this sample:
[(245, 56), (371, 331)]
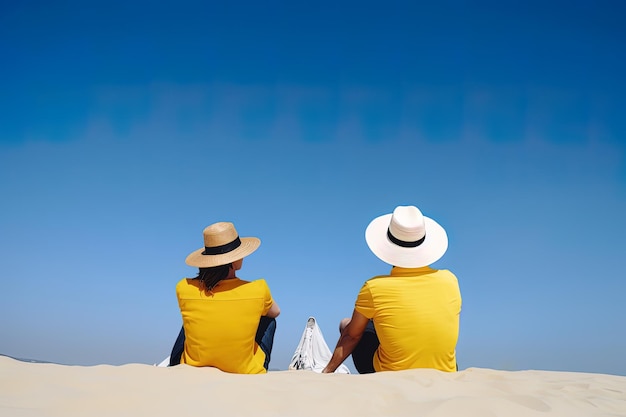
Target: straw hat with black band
[(222, 245)]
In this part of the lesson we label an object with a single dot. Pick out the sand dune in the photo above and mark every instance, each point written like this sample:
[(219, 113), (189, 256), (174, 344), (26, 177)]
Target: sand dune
[(36, 389)]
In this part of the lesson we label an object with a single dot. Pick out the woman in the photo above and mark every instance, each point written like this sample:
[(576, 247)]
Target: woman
[(228, 323)]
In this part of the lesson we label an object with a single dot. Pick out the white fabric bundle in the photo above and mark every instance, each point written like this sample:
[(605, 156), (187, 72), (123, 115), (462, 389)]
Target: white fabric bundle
[(164, 363), (312, 353)]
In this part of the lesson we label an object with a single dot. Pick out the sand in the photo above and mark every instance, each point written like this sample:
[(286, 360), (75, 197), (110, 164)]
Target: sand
[(36, 389)]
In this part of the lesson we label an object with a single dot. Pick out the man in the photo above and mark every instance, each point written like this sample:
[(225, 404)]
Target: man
[(409, 318)]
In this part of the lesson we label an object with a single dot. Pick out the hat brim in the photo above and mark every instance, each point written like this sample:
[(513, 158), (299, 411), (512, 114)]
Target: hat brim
[(433, 248), (248, 245)]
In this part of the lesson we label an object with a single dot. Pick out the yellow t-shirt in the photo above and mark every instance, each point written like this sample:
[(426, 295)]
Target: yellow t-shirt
[(416, 316), (220, 325)]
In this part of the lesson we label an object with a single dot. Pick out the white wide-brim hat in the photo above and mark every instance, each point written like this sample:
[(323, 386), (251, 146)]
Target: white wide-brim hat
[(406, 238), (222, 245)]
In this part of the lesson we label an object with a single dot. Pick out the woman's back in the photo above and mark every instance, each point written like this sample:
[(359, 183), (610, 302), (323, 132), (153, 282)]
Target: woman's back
[(220, 325)]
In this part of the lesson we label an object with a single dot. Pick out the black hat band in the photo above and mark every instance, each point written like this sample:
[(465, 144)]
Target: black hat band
[(404, 243), (219, 250)]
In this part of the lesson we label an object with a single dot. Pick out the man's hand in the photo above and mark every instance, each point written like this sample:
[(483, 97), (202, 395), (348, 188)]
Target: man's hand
[(350, 337)]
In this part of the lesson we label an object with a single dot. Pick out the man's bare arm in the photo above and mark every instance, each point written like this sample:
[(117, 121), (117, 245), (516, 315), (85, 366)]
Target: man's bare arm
[(348, 340)]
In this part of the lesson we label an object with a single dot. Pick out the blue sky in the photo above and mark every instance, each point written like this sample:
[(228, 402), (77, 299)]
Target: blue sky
[(127, 127)]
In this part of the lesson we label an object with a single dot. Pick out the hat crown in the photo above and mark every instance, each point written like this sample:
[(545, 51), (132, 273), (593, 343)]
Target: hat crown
[(219, 234), (407, 224)]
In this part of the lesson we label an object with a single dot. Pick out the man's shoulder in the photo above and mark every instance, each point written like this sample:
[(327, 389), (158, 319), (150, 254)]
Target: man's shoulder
[(375, 279), (446, 273)]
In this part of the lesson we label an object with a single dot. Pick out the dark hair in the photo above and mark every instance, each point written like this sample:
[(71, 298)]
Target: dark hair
[(211, 276)]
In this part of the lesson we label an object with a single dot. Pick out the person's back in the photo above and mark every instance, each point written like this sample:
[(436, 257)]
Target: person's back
[(416, 316), (221, 324)]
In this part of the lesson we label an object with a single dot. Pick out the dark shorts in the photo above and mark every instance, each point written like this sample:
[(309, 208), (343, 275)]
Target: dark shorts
[(363, 353)]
